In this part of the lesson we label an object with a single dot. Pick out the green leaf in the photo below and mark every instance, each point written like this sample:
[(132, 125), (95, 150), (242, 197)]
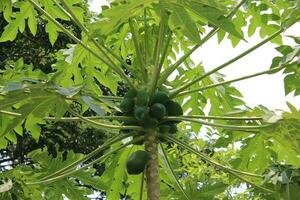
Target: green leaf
[(113, 18), (212, 15), (53, 32), (112, 179), (6, 8), (255, 155), (180, 19), (17, 24)]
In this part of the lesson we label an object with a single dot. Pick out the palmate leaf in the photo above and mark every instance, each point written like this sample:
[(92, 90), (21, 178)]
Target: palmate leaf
[(255, 155), (113, 18), (6, 9), (192, 175), (185, 14), (17, 23), (51, 28), (213, 16), (290, 57), (279, 143), (90, 69), (206, 191), (180, 19), (33, 103), (20, 72), (45, 165), (191, 15), (263, 21), (115, 179)]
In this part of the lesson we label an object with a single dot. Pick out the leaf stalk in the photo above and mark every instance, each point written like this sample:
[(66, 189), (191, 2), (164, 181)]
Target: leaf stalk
[(248, 51), (228, 127), (226, 169), (227, 82), (173, 67)]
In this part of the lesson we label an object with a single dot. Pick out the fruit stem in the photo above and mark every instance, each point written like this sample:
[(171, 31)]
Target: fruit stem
[(152, 168)]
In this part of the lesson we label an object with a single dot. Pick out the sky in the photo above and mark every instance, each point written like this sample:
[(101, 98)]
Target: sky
[(266, 90)]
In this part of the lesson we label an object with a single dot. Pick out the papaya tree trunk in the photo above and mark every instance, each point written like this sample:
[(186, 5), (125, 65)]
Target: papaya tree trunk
[(152, 168)]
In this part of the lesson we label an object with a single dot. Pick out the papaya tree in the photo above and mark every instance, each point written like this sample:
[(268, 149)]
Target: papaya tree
[(177, 131)]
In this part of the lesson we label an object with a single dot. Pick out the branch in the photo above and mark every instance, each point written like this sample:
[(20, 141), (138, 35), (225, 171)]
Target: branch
[(228, 82), (165, 157), (229, 127), (169, 70), (226, 169)]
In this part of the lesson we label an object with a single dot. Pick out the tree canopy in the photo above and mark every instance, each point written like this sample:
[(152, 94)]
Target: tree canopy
[(126, 75)]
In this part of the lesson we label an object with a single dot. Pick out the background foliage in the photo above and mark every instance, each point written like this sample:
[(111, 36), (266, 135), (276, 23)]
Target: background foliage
[(45, 72)]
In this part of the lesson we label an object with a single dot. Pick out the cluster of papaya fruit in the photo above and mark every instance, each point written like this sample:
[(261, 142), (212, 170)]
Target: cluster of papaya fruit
[(150, 113)]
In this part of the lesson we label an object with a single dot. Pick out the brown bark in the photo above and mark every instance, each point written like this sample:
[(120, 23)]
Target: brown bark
[(152, 168)]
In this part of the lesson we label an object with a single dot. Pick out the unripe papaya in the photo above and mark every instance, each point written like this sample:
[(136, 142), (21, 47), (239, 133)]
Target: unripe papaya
[(173, 108), (142, 97), (158, 111), (159, 97), (127, 105), (173, 128), (164, 128), (141, 113), (130, 94), (136, 162), (150, 122)]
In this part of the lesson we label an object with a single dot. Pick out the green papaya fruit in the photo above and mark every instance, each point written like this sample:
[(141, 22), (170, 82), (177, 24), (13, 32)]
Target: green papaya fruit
[(142, 98), (127, 105), (173, 129), (158, 111), (131, 94), (141, 113), (159, 97), (164, 128), (136, 162), (150, 122), (173, 108)]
